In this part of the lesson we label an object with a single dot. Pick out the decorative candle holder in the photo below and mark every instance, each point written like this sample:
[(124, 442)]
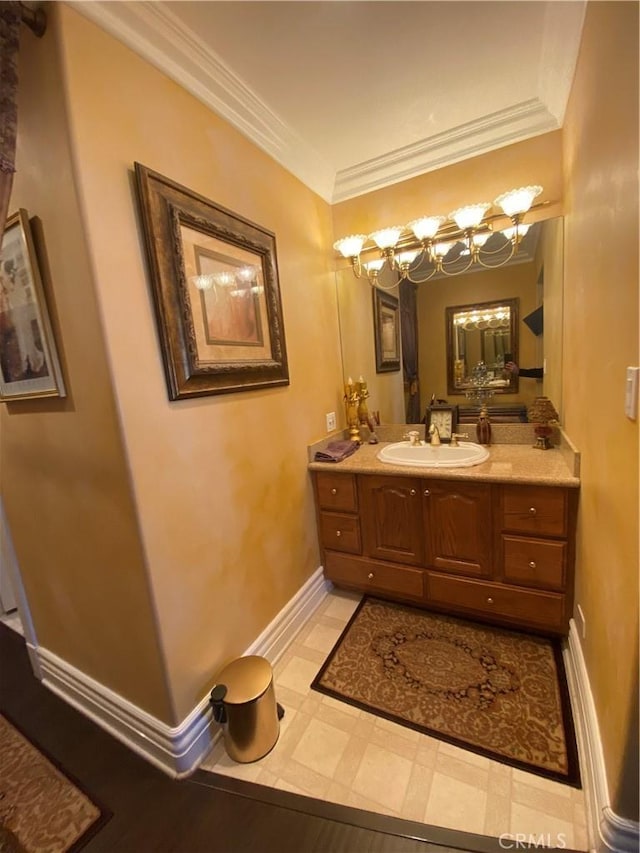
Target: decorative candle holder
[(542, 413), (351, 401), (362, 392)]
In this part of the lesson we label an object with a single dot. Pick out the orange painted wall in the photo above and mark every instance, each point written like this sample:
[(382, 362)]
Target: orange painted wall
[(601, 339), (65, 479), (482, 178), (220, 483)]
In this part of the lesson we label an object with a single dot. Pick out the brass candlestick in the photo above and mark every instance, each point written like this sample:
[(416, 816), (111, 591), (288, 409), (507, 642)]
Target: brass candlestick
[(352, 400)]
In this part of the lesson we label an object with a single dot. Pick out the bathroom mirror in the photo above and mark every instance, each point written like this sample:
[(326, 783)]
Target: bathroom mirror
[(535, 279), (484, 333)]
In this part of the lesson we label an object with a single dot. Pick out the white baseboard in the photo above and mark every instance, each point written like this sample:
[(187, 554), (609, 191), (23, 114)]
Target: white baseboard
[(177, 751), (607, 831)]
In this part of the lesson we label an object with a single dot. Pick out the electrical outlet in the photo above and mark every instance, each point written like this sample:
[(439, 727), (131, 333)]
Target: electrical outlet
[(331, 421), (582, 623)]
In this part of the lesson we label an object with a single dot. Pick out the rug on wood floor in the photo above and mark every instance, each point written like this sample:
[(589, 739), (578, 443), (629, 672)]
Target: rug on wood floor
[(497, 692), (41, 809)]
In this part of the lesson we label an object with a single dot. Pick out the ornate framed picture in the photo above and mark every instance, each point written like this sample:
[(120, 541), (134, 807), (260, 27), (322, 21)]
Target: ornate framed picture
[(214, 279), (445, 418), (29, 365), (386, 329)]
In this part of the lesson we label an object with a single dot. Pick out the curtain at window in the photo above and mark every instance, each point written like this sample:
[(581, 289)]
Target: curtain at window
[(10, 18), (409, 333)]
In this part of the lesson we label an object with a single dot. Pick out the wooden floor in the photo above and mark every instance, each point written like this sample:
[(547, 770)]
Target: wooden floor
[(152, 813)]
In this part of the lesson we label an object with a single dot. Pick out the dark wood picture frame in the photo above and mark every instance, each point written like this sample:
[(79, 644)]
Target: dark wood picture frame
[(451, 331), (386, 328), (29, 364), (216, 293)]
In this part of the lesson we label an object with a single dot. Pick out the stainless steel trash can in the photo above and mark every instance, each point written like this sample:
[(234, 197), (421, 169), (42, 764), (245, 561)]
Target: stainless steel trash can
[(244, 703)]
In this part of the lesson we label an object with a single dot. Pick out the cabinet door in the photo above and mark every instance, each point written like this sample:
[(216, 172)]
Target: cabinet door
[(391, 516), (457, 519)]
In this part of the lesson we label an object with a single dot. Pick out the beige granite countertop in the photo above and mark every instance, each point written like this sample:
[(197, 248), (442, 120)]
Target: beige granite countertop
[(507, 463)]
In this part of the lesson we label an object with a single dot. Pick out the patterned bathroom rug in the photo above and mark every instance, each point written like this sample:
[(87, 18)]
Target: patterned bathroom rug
[(494, 691), (41, 809)]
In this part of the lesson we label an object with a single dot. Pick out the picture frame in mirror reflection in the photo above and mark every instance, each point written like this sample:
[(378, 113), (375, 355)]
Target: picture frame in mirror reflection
[(482, 334), (386, 326), (216, 292), (29, 365)]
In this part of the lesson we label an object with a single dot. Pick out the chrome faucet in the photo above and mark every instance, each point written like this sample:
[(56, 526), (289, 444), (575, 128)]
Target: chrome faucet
[(435, 435)]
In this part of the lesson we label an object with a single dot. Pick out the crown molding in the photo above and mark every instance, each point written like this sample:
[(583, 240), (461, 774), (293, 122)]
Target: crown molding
[(157, 35), (160, 37), (515, 124)]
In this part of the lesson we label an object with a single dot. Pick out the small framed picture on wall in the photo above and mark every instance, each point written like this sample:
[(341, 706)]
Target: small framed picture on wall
[(386, 327)]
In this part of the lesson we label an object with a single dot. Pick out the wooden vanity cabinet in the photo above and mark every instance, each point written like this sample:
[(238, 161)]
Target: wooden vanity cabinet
[(498, 552), (391, 517), (457, 525)]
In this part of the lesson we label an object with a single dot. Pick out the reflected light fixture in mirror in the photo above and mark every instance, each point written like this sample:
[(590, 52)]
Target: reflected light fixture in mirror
[(431, 246)]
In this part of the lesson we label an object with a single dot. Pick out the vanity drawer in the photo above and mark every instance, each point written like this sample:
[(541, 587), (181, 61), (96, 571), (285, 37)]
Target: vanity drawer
[(539, 609), (337, 491), (340, 532), (534, 562), (539, 510), (372, 576)]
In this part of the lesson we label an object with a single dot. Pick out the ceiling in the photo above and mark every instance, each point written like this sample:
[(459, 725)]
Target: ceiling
[(353, 96)]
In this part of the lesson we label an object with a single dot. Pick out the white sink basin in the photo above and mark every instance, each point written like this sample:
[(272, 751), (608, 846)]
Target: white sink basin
[(464, 455)]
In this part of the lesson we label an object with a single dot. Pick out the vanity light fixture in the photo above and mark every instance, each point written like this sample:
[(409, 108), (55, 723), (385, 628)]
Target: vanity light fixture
[(428, 239), (237, 280)]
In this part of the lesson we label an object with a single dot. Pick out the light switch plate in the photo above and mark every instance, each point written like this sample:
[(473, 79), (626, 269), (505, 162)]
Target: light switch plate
[(331, 421), (631, 393)]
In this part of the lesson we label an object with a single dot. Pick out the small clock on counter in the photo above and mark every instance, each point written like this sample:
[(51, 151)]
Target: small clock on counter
[(444, 417)]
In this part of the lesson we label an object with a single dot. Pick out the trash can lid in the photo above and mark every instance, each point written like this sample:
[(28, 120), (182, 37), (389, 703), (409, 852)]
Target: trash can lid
[(245, 678)]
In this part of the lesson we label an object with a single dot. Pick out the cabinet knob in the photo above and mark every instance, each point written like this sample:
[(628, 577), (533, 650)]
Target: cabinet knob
[(334, 491), (489, 600), (532, 510), (370, 576), (426, 493), (338, 532), (532, 564), (413, 493)]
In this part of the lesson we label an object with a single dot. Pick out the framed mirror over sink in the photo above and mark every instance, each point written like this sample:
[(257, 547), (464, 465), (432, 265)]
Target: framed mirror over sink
[(482, 335)]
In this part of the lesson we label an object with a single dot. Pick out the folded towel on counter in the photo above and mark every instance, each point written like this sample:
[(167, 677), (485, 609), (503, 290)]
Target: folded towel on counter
[(336, 451)]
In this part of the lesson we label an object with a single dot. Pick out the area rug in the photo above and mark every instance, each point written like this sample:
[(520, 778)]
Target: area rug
[(497, 692), (41, 809)]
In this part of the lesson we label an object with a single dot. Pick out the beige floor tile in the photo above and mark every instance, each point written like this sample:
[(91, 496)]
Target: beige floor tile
[(341, 605), (456, 804), (535, 781), (418, 790), (337, 717), (350, 762), (383, 777), (427, 753), (543, 801), (338, 793), (397, 729), (297, 675), (499, 779), (322, 638), (549, 831), (394, 742), (464, 755), (344, 707), (321, 747), (497, 819), (357, 801), (283, 785), (307, 780), (449, 765)]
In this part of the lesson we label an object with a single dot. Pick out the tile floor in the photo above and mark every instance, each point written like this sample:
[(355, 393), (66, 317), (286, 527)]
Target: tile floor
[(332, 751)]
